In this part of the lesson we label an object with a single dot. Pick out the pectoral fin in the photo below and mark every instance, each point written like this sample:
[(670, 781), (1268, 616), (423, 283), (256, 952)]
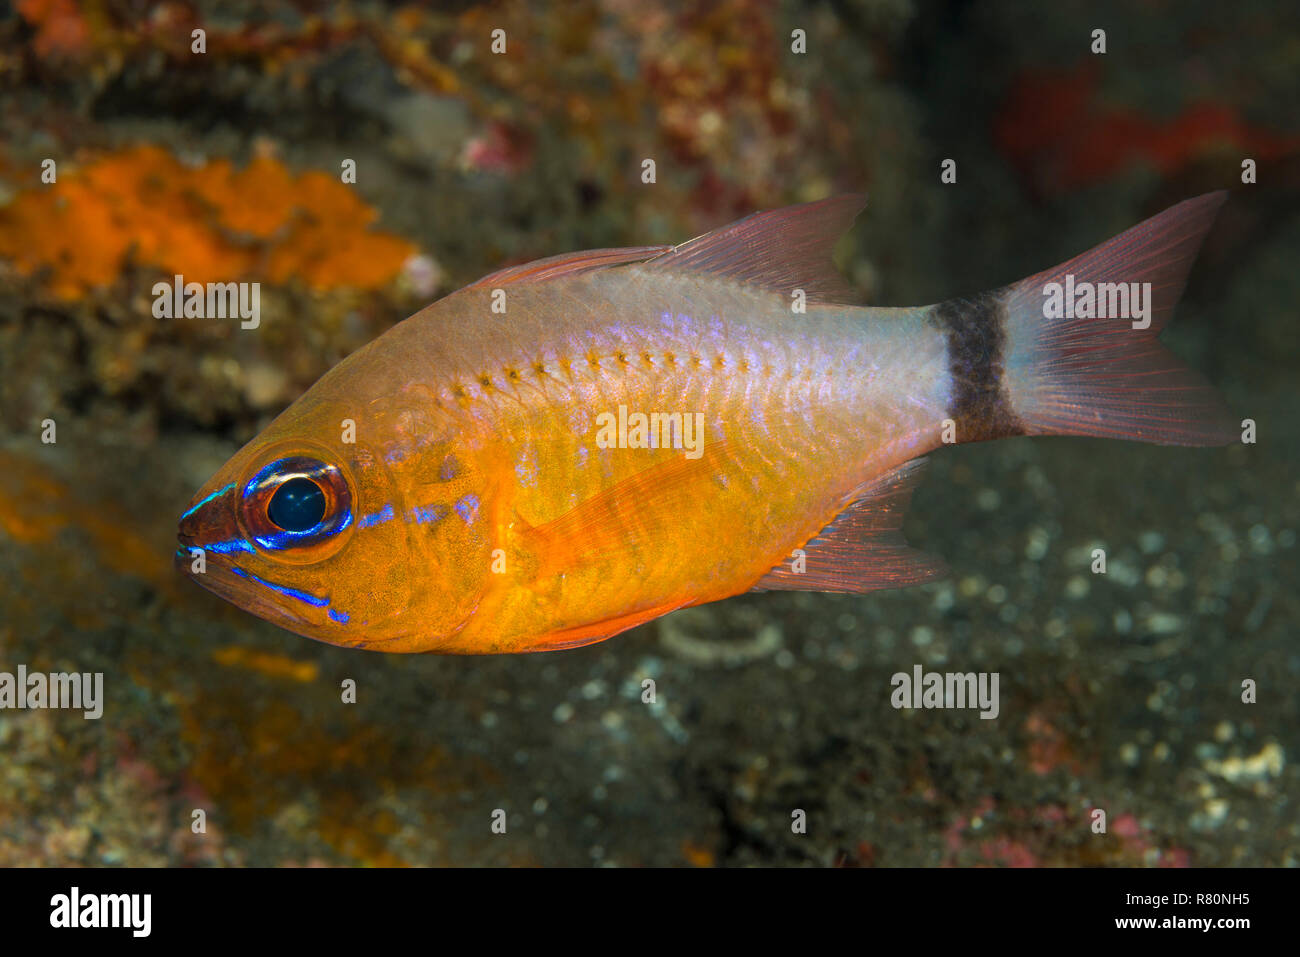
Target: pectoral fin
[(639, 510)]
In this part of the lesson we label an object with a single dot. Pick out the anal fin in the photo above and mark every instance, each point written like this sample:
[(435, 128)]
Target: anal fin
[(863, 549)]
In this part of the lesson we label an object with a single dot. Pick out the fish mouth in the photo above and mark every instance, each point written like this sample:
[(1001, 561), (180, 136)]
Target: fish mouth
[(210, 543), (230, 582)]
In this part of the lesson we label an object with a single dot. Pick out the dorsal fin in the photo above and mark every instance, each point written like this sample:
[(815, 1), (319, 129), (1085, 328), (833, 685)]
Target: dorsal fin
[(863, 549), (780, 249), (568, 264)]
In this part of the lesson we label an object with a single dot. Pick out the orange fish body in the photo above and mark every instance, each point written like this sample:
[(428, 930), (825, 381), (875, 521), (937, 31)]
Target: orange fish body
[(567, 449)]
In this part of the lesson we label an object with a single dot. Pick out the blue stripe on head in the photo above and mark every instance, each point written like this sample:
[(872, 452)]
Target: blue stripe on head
[(302, 596), (228, 547), (375, 518), (428, 514), (204, 501)]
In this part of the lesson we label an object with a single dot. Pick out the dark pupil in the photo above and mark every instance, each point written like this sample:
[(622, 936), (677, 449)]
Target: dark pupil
[(297, 505)]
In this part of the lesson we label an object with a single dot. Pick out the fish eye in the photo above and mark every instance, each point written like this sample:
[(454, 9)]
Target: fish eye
[(297, 505), (298, 508)]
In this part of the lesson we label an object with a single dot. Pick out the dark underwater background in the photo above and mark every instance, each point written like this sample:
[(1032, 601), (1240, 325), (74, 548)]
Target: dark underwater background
[(1120, 692)]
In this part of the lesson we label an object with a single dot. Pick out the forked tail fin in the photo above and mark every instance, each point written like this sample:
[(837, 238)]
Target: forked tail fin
[(1080, 351)]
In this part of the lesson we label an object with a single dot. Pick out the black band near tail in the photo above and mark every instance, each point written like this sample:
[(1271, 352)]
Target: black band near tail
[(976, 329)]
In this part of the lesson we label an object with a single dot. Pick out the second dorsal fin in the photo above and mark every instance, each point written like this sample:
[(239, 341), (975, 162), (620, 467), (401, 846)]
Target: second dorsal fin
[(780, 249)]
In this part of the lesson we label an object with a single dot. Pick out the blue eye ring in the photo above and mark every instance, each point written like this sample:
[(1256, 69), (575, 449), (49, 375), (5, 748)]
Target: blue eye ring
[(317, 484)]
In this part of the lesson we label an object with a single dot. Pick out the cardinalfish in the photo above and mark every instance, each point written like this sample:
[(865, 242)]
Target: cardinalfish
[(506, 470)]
